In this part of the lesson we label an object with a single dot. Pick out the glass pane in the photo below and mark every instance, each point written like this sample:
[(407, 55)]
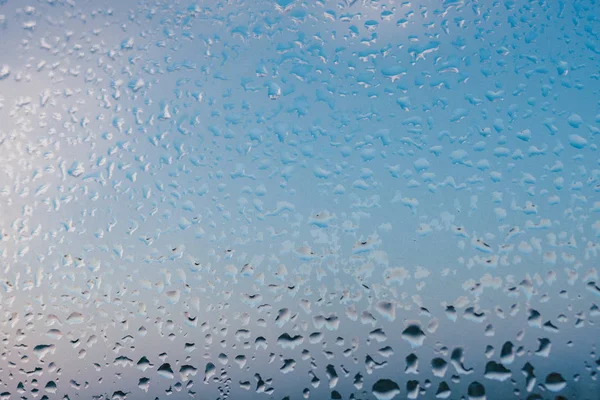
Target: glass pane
[(288, 199)]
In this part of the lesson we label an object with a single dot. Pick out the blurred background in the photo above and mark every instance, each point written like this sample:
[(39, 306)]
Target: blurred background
[(299, 199)]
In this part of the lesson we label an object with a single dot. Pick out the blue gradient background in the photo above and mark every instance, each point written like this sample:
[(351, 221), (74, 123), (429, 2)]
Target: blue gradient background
[(176, 172)]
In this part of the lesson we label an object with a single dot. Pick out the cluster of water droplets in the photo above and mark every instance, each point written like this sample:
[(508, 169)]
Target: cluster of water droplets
[(294, 199)]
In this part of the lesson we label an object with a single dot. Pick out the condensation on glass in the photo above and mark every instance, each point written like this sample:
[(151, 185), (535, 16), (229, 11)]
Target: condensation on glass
[(288, 199)]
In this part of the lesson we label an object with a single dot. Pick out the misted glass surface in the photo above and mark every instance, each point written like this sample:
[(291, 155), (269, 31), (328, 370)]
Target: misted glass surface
[(280, 199)]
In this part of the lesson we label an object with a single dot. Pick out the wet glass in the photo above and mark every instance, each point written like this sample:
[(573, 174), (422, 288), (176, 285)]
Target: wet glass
[(285, 199)]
